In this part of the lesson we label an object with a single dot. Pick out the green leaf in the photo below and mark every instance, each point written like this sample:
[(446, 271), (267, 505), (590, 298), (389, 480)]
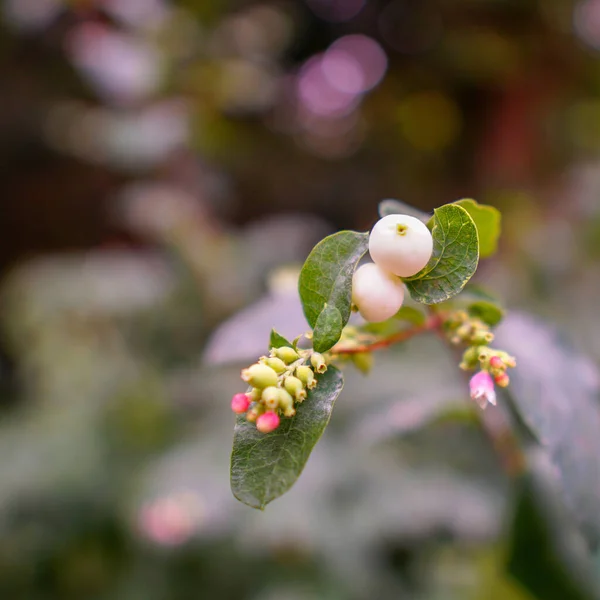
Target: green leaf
[(488, 222), (277, 340), (555, 392), (265, 466), (488, 312), (327, 329), (326, 280), (454, 260), (397, 207), (410, 315), (480, 303)]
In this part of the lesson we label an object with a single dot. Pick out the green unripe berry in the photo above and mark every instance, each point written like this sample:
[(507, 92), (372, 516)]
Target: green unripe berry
[(276, 364), (289, 412), (254, 394), (270, 397), (306, 376), (471, 357), (295, 387), (318, 362), (482, 337), (254, 413), (285, 400), (259, 376), (287, 354)]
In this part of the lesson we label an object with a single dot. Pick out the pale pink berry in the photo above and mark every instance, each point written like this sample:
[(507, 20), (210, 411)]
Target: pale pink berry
[(482, 389), (240, 403), (267, 422), (496, 362)]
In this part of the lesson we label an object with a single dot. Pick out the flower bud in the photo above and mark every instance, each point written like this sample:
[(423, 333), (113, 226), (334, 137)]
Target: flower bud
[(254, 413), (318, 362), (240, 403), (270, 397), (285, 400), (508, 360), (287, 354), (465, 331), (496, 363), (470, 358), (502, 380), (254, 394), (482, 337), (306, 376), (267, 422), (276, 364), (295, 387), (259, 376)]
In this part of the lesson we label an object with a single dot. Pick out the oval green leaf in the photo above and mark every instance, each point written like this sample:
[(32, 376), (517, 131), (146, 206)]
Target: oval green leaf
[(488, 312), (488, 222), (276, 340), (327, 329), (326, 278), (454, 260), (265, 466)]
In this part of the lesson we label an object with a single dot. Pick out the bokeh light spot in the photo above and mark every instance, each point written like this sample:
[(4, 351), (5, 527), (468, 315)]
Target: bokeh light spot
[(354, 64)]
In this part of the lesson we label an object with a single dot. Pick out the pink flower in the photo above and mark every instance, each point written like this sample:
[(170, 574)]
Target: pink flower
[(482, 389), (267, 422)]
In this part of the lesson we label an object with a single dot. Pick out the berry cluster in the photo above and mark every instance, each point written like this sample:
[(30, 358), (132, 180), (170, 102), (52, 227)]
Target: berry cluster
[(463, 329), (400, 246), (277, 383)]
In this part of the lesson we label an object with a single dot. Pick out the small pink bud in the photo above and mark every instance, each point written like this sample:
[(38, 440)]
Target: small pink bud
[(482, 389), (496, 362), (267, 422), (502, 380), (240, 403)]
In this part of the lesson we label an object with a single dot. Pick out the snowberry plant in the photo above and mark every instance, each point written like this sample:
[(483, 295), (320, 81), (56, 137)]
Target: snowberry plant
[(291, 390)]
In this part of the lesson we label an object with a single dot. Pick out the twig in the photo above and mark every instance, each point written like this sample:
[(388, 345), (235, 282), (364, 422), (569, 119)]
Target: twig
[(433, 323)]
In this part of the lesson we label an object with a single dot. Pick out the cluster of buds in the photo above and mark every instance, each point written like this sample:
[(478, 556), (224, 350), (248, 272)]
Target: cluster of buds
[(463, 329), (492, 363), (277, 383)]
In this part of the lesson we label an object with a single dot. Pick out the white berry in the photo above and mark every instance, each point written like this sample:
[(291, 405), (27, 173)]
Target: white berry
[(400, 244), (377, 295)]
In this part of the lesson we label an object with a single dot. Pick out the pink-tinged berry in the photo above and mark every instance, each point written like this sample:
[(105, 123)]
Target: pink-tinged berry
[(240, 403), (482, 389), (376, 293), (267, 422), (502, 380), (496, 362)]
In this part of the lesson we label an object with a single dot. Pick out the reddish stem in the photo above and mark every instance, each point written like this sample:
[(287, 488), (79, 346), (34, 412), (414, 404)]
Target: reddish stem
[(433, 323)]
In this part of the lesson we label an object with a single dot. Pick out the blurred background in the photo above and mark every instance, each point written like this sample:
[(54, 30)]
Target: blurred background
[(166, 168)]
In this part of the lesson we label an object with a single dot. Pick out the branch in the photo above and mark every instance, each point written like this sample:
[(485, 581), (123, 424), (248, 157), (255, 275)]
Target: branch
[(433, 323)]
